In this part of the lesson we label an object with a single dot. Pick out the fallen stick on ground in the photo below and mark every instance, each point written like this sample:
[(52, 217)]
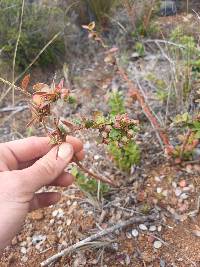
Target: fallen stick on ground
[(123, 224), (16, 108)]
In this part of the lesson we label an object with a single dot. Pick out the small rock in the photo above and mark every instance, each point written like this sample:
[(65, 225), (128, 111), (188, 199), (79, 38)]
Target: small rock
[(178, 191), (38, 239), (174, 184), (59, 213), (23, 250), (157, 178), (24, 259), (135, 233), (115, 246), (159, 190), (68, 222), (87, 145), (182, 183), (159, 228), (184, 196), (96, 157), (51, 222), (127, 260), (162, 263), (37, 215), (186, 189), (23, 244), (157, 244), (196, 233), (143, 227), (189, 168), (165, 193), (128, 235), (152, 228), (14, 241)]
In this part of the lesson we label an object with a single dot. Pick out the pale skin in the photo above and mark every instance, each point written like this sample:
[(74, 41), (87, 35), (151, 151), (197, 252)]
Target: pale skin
[(25, 167)]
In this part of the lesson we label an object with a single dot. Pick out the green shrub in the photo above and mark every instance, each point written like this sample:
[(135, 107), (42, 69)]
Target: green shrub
[(88, 185), (128, 154), (116, 103), (40, 24)]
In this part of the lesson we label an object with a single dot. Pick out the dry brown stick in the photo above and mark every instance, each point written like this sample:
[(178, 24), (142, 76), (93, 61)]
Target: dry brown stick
[(134, 92), (121, 225), (95, 176)]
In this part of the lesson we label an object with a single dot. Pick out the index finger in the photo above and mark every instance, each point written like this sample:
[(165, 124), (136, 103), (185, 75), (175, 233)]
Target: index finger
[(35, 147)]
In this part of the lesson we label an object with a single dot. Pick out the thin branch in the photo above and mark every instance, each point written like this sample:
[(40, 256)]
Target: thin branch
[(15, 87), (135, 93), (98, 235), (97, 177), (164, 42)]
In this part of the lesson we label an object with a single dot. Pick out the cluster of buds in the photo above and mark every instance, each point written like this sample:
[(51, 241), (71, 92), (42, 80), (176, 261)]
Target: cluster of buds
[(120, 128)]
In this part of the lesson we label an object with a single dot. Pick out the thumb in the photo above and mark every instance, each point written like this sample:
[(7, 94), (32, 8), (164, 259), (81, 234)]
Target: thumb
[(49, 167)]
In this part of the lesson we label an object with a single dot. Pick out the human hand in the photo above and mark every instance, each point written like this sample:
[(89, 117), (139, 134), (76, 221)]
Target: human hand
[(25, 167)]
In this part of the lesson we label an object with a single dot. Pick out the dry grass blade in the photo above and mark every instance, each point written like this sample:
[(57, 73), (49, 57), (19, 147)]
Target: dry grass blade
[(15, 52), (29, 66)]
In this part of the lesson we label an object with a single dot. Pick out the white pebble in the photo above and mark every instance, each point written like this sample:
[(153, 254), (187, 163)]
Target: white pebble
[(38, 239), (178, 192), (174, 184), (51, 222), (159, 190), (23, 250), (159, 228), (87, 145), (186, 189), (58, 213), (135, 233), (165, 193), (184, 196), (96, 157), (143, 227), (68, 222), (157, 244), (152, 228), (128, 235), (157, 178)]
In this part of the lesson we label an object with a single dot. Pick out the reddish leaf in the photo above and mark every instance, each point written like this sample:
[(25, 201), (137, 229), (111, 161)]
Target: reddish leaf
[(25, 82), (40, 86)]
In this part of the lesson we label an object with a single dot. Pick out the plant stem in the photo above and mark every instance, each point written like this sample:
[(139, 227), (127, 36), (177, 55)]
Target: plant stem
[(95, 176)]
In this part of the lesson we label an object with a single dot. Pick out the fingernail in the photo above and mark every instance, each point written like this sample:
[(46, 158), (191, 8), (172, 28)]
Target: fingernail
[(65, 151)]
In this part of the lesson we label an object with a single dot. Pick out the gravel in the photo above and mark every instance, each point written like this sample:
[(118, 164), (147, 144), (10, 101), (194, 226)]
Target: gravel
[(143, 227), (157, 244), (135, 233)]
